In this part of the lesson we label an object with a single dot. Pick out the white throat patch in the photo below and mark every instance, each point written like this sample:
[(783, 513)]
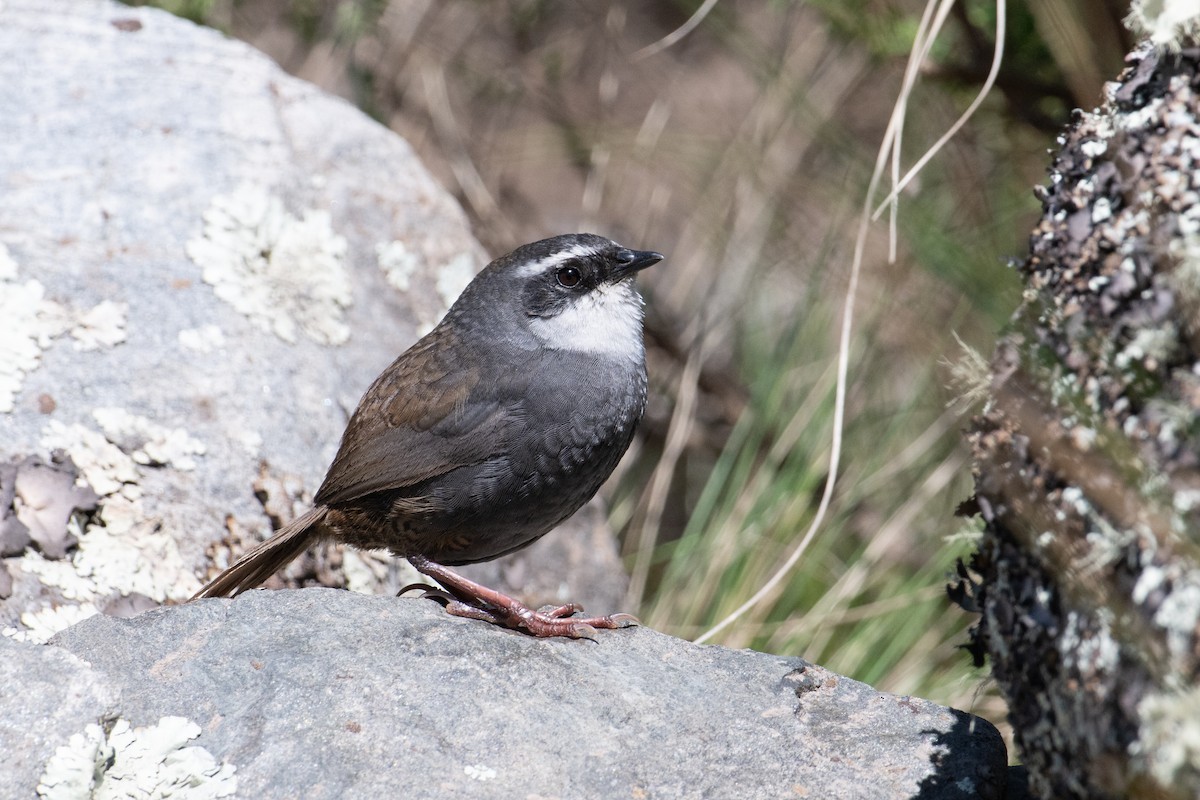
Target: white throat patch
[(606, 320)]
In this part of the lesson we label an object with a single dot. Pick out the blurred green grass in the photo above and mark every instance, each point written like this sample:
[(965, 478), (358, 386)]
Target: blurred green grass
[(867, 599)]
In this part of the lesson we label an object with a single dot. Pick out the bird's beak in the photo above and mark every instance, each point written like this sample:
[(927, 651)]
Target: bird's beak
[(631, 261)]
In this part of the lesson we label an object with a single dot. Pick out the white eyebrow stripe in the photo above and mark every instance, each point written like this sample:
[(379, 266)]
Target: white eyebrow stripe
[(562, 256)]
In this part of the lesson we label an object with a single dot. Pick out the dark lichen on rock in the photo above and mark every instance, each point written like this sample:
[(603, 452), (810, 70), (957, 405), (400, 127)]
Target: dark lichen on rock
[(1087, 578)]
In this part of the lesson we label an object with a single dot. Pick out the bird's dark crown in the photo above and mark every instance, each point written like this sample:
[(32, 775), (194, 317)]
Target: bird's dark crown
[(555, 272), (569, 292)]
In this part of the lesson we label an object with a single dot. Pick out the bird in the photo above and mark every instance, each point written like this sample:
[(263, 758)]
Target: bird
[(489, 431)]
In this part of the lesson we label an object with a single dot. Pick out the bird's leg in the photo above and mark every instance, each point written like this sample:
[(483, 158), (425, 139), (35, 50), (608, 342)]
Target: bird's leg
[(444, 597), (477, 601)]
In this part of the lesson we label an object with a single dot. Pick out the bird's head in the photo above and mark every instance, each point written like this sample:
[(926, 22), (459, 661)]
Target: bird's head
[(576, 292)]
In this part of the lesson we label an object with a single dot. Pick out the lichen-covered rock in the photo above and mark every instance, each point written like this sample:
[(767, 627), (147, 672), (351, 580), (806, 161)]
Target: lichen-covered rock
[(203, 264), (1088, 456)]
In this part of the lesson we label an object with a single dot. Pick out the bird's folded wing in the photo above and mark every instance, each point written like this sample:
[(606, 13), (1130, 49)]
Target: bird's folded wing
[(424, 416)]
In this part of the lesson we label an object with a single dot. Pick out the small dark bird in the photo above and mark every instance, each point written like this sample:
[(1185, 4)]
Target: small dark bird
[(489, 431)]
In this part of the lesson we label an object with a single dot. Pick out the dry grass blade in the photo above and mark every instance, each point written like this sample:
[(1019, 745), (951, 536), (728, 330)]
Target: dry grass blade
[(920, 48), (677, 34), (988, 83)]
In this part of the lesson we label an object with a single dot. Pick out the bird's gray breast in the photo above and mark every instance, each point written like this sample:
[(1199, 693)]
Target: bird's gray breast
[(567, 431), (580, 421)]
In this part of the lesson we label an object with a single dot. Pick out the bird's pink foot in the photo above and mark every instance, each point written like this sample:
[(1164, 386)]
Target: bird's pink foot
[(466, 598)]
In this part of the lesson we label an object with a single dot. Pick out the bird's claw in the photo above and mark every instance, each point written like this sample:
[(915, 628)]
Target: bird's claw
[(435, 593)]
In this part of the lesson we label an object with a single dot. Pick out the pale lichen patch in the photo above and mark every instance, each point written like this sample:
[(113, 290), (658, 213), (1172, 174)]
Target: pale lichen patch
[(127, 555), (287, 274), (146, 441), (479, 772), (204, 339), (1179, 616), (1153, 345), (142, 560), (28, 324), (1167, 23), (1168, 743), (1087, 646), (104, 466), (71, 771), (40, 625), (124, 549), (1148, 582), (398, 263), (150, 762), (101, 326)]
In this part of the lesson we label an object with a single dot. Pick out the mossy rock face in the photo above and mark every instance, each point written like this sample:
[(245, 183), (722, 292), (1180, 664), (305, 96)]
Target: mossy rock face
[(1087, 456)]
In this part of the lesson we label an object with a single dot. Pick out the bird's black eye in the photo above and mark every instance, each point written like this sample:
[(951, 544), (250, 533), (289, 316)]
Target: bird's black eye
[(569, 277)]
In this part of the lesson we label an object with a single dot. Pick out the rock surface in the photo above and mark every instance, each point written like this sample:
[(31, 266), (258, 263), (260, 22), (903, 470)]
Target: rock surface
[(320, 693), (46, 696), (203, 264)]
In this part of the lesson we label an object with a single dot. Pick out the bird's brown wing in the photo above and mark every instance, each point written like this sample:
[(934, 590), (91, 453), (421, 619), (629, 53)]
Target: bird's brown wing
[(433, 410)]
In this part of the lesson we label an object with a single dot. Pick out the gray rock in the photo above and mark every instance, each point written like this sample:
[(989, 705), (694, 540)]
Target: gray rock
[(320, 693), (203, 264), (47, 695)]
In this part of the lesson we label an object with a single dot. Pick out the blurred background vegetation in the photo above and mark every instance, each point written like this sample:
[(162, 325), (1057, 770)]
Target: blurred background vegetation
[(743, 152)]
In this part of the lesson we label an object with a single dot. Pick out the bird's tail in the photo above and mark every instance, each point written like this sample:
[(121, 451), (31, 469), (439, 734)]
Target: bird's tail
[(265, 558)]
